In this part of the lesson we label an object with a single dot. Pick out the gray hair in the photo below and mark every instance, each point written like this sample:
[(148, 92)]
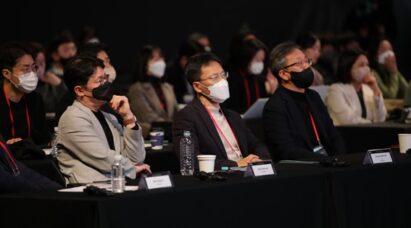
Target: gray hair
[(278, 54)]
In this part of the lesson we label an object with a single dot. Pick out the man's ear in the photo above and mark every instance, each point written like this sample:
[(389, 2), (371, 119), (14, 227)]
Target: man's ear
[(284, 75), (79, 91), (197, 87), (6, 73)]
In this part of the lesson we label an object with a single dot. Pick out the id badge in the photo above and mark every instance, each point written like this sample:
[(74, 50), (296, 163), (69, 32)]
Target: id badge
[(320, 150)]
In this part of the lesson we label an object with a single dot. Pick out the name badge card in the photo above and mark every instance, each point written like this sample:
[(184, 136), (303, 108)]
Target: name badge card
[(260, 168), (378, 156), (155, 181)]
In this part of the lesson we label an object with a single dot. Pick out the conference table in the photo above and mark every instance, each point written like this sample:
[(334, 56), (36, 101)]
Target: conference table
[(362, 137), (300, 195)]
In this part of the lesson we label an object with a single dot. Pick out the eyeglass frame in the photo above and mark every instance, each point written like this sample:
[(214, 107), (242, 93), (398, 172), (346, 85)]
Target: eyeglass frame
[(224, 75), (307, 60), (27, 69)]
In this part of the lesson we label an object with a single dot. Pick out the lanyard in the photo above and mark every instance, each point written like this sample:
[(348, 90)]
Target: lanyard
[(315, 128), (13, 131), (11, 160), (221, 132), (247, 90)]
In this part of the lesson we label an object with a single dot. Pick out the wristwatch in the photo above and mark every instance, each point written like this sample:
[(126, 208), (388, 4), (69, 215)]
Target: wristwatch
[(130, 121)]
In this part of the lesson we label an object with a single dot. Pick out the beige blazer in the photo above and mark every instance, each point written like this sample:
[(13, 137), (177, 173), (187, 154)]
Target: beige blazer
[(86, 156), (146, 105), (344, 105)]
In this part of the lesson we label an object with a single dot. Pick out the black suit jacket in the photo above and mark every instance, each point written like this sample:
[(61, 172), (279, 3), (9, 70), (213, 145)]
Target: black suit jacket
[(27, 181), (194, 118), (285, 130)]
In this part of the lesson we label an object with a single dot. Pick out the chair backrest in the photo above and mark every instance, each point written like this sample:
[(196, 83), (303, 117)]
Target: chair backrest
[(322, 90)]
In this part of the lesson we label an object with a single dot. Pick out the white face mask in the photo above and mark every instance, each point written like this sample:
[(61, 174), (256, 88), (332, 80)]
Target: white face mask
[(111, 72), (382, 58), (359, 73), (157, 68), (219, 92), (27, 82), (256, 68)]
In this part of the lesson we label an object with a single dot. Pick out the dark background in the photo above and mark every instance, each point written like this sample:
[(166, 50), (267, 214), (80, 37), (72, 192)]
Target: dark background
[(126, 27)]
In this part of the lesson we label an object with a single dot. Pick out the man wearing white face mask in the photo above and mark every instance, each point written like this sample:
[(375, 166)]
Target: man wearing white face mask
[(151, 99), (357, 97), (22, 112), (214, 129)]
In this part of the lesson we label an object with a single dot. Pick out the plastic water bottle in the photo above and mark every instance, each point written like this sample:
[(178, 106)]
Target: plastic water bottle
[(117, 176), (186, 154), (54, 143)]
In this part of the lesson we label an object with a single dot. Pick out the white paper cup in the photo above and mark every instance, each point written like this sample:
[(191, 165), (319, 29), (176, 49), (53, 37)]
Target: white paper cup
[(405, 142), (206, 162)]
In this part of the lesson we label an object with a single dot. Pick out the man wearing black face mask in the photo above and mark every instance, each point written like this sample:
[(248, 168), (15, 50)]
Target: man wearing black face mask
[(90, 137), (296, 122)]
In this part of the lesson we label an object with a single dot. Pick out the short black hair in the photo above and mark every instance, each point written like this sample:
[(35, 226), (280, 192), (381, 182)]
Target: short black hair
[(61, 38), (196, 62), (306, 40), (79, 70), (92, 49), (278, 54), (10, 52), (345, 63)]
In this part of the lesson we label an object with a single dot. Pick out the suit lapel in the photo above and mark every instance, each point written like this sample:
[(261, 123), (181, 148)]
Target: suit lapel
[(208, 122)]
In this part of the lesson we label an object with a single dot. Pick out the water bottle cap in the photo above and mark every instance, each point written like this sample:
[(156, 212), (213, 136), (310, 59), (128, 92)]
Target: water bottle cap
[(187, 133)]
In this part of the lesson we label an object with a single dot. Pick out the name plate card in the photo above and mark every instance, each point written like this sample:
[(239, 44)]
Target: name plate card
[(155, 181), (378, 156), (261, 168)]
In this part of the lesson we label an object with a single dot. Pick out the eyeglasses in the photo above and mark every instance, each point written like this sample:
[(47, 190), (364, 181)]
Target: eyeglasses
[(28, 68), (300, 63), (215, 77)]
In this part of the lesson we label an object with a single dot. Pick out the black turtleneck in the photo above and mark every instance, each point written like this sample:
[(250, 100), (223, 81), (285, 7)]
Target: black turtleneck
[(302, 104)]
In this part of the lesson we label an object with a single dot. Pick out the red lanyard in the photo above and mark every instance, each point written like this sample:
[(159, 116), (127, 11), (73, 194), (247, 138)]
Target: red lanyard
[(315, 128), (11, 160), (13, 131), (247, 90), (221, 132)]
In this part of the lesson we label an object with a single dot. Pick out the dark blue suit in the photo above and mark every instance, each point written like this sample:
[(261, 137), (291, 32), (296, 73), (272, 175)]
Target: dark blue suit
[(286, 134), (194, 118)]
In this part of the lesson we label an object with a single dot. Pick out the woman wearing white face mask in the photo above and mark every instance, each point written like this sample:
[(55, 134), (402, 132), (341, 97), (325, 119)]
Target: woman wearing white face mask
[(356, 98), (22, 113), (151, 99), (384, 64), (249, 77)]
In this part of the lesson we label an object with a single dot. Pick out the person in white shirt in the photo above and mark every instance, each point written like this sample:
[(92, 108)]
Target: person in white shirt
[(356, 98)]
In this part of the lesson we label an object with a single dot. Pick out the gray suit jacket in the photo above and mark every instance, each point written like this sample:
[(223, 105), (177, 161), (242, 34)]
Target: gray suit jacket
[(146, 105), (86, 155)]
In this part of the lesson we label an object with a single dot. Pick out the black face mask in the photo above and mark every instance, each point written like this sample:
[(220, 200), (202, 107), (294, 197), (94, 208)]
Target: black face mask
[(103, 92), (303, 79)]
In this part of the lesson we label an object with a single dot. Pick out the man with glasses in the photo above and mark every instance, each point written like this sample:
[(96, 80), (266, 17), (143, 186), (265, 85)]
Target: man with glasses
[(22, 115), (296, 122), (89, 137), (215, 129)]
